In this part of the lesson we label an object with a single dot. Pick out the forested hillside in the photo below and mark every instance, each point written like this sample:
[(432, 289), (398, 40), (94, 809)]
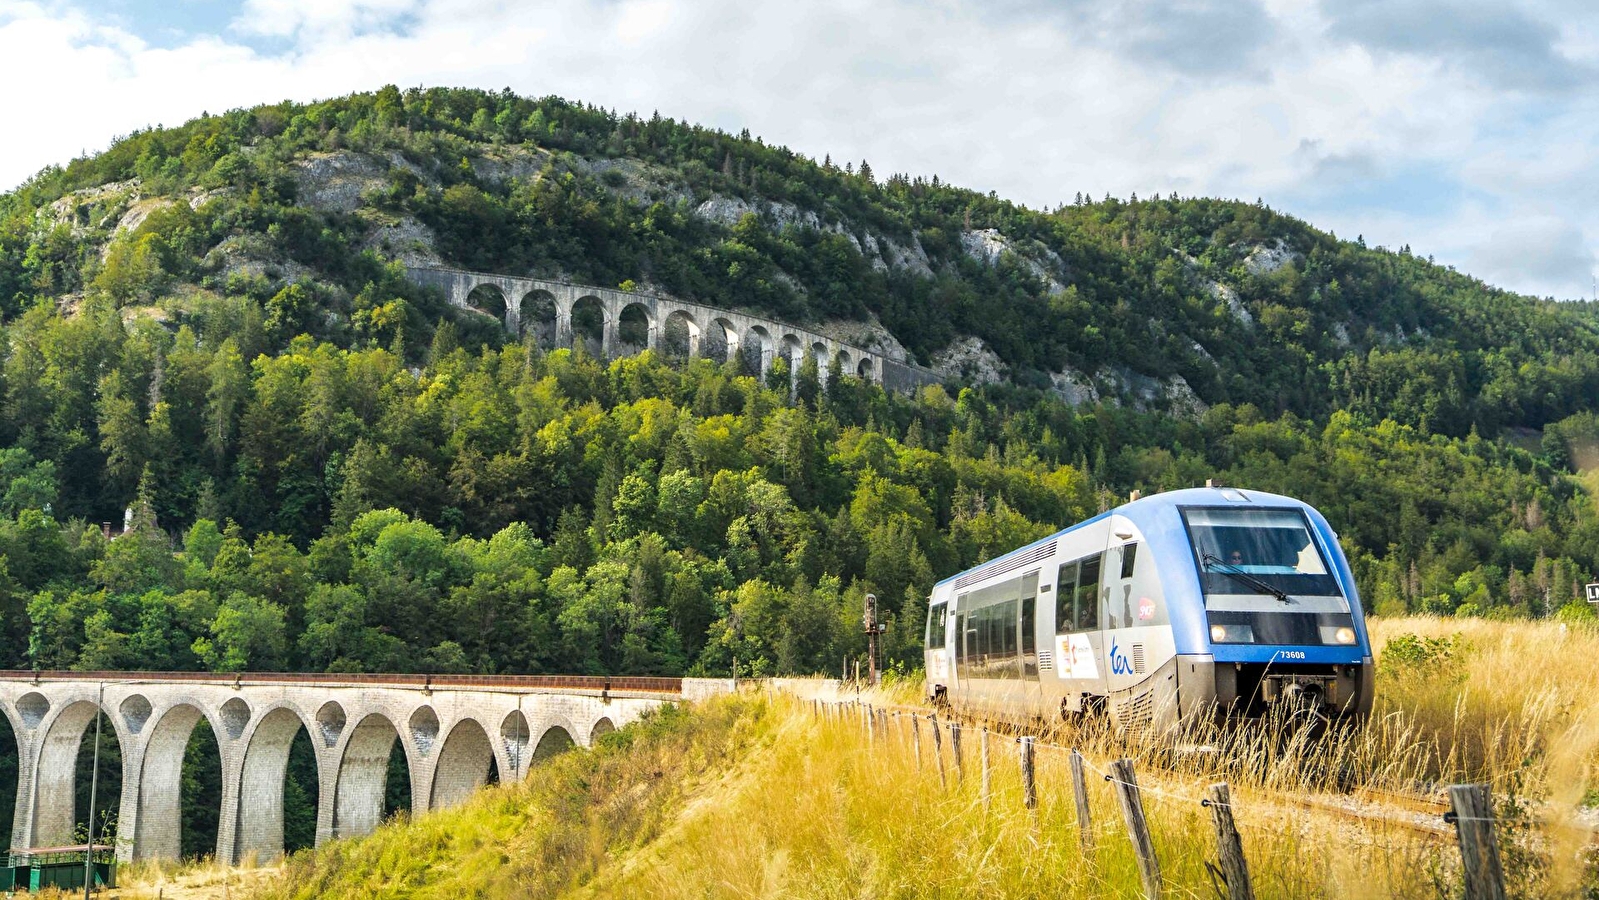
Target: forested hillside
[(329, 468)]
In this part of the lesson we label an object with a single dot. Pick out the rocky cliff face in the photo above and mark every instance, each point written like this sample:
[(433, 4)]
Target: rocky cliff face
[(346, 182)]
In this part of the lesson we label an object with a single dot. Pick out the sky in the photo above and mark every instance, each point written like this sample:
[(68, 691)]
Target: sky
[(1466, 130)]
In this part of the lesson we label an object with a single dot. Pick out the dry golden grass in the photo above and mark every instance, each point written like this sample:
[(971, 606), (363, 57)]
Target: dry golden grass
[(827, 812), (1512, 703), (1516, 705), (199, 880), (756, 796)]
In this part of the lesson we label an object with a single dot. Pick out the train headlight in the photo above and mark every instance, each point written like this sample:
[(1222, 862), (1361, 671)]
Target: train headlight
[(1345, 635), (1232, 634)]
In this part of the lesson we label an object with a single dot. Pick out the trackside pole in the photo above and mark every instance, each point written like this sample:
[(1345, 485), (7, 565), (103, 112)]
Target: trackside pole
[(938, 749), (955, 750), (1132, 804), (1473, 816), (916, 738), (1229, 848), (1080, 793), (1029, 785)]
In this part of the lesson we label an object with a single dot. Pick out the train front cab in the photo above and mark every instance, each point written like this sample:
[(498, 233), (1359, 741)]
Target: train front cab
[(1272, 616)]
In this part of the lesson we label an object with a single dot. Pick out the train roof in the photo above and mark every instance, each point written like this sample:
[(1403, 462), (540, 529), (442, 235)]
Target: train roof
[(1137, 509)]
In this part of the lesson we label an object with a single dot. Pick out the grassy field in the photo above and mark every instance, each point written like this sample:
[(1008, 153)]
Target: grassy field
[(755, 796)]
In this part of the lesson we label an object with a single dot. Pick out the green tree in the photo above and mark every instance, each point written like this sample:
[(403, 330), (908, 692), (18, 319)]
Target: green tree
[(248, 635)]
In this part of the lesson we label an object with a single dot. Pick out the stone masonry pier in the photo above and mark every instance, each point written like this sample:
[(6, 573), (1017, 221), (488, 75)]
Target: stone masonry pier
[(629, 322), (450, 727)]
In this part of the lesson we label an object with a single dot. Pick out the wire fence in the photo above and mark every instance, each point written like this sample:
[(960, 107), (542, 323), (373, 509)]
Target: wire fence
[(1471, 816)]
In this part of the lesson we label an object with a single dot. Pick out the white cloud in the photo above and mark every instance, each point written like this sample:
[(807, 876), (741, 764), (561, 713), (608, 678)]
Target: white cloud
[(640, 20), (284, 18), (1034, 100)]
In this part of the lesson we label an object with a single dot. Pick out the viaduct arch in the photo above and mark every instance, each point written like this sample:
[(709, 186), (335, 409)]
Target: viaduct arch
[(614, 323), (450, 728)]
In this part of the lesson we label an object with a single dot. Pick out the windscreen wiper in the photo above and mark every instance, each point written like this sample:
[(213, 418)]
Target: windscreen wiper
[(1215, 562)]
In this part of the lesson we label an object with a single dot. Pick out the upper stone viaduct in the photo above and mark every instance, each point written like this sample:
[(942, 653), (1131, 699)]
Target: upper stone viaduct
[(450, 727), (630, 322)]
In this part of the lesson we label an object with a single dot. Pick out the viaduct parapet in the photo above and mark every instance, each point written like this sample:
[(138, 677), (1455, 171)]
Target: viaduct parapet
[(451, 728), (630, 322)]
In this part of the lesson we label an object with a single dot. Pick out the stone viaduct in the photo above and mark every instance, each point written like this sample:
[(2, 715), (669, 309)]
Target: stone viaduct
[(450, 727), (627, 323)]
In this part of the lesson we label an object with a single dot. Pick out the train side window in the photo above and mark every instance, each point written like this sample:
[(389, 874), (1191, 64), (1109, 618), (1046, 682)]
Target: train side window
[(936, 618), (1007, 627), (1065, 592), (1029, 596), (1129, 559), (1029, 635), (1088, 595)]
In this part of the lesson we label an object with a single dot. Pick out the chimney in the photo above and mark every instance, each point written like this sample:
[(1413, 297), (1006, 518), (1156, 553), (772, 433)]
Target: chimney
[(1133, 496)]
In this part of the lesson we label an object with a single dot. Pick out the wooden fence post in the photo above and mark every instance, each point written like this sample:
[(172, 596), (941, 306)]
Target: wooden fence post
[(938, 749), (955, 750), (871, 725), (1080, 793), (916, 738), (1029, 786), (1132, 804), (1229, 849), (1479, 851), (988, 772)]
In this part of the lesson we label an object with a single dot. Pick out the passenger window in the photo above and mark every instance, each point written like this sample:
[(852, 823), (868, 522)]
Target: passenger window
[(1129, 558), (1088, 595), (1065, 592), (1029, 598)]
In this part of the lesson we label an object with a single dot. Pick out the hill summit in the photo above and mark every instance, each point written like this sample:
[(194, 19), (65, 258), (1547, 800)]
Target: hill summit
[(1158, 302)]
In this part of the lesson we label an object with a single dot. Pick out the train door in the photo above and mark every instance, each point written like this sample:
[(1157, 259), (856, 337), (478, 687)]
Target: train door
[(1079, 641), (963, 647), (1027, 642), (936, 664), (1125, 653), (1137, 631)]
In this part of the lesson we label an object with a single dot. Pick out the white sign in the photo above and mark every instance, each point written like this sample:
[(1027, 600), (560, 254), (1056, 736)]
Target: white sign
[(1593, 593), (1075, 656)]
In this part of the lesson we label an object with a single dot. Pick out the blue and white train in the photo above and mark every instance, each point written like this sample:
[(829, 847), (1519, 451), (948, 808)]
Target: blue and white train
[(1206, 602)]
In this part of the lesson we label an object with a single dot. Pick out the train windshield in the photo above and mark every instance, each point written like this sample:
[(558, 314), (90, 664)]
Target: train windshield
[(1270, 547)]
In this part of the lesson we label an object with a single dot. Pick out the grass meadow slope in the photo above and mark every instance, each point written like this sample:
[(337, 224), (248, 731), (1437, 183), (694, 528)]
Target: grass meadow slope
[(755, 796)]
